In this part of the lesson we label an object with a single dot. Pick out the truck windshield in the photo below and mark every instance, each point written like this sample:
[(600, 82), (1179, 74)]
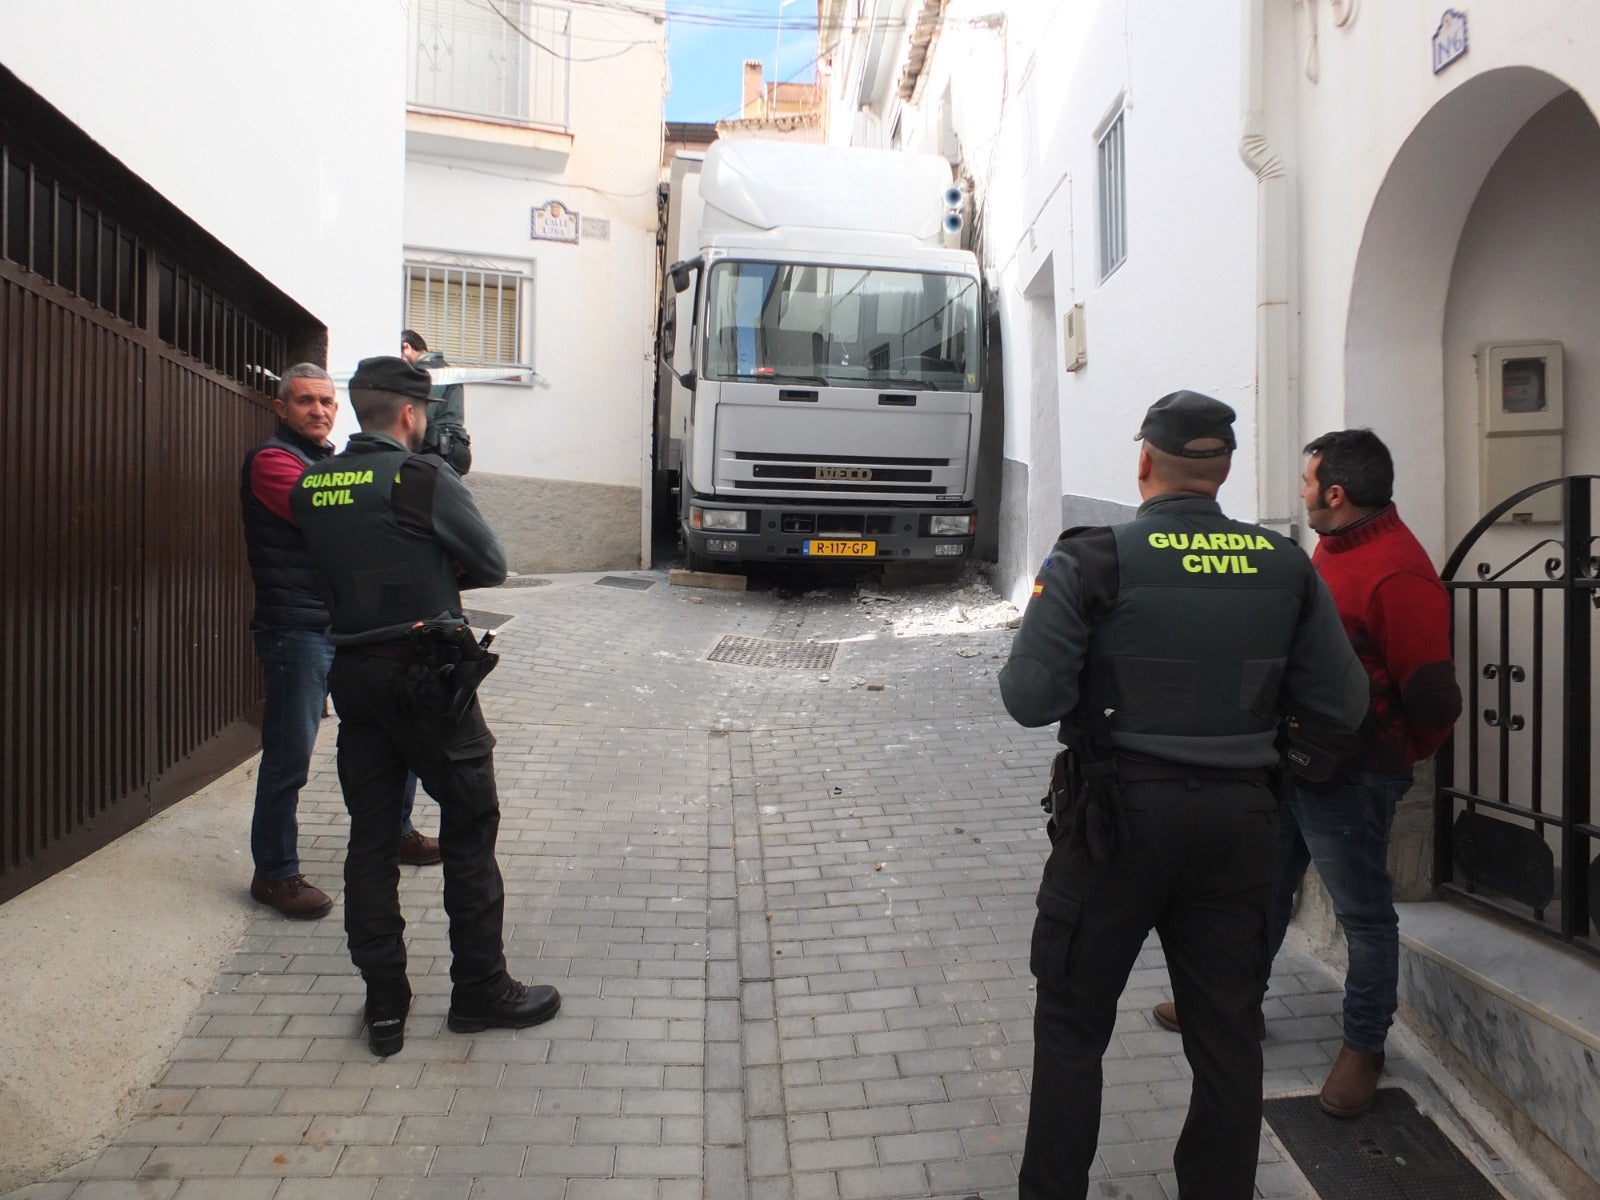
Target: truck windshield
[(848, 326)]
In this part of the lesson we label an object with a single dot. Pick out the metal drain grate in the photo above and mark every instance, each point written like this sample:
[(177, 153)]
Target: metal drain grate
[(524, 581), (482, 619), (1389, 1152), (767, 652), (626, 581)]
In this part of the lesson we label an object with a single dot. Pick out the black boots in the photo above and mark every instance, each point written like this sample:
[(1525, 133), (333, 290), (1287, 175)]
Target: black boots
[(387, 1004), (515, 1006)]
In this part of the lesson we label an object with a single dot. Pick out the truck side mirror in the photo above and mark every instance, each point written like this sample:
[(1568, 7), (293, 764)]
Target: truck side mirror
[(680, 272)]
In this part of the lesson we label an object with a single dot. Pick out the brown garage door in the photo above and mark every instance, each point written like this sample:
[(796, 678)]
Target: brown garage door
[(128, 373)]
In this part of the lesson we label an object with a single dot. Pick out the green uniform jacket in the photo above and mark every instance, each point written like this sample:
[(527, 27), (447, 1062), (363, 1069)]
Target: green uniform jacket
[(1197, 632), (394, 537)]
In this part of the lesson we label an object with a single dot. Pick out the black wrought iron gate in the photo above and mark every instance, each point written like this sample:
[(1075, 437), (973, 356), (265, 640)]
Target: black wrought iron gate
[(1513, 828)]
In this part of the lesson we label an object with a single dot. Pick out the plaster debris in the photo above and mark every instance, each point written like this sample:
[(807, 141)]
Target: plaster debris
[(961, 606)]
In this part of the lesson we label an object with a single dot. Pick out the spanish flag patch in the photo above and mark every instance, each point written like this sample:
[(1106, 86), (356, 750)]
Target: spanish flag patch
[(1038, 587)]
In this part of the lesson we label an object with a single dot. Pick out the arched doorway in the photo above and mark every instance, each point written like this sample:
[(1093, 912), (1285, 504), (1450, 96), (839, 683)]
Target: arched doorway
[(1484, 233), (1394, 335)]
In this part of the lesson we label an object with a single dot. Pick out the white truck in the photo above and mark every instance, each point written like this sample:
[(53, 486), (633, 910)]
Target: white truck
[(819, 357)]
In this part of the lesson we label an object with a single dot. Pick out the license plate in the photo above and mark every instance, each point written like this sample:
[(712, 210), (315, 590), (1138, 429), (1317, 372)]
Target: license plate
[(842, 548)]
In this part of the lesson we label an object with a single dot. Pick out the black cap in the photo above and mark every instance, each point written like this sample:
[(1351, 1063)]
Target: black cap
[(1179, 418), (391, 375)]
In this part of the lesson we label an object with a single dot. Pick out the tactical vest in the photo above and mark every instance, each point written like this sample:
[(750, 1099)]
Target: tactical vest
[(381, 577), (1199, 635), (286, 582)]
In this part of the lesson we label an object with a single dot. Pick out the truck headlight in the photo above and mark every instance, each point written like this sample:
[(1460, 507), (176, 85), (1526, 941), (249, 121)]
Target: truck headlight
[(735, 520), (950, 525)]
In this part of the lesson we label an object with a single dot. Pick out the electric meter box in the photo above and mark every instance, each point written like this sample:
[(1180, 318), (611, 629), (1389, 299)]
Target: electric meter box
[(1522, 427)]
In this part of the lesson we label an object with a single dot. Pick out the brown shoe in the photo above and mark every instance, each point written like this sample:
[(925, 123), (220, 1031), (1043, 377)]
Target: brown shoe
[(293, 897), (1166, 1015), (418, 850), (1352, 1084)]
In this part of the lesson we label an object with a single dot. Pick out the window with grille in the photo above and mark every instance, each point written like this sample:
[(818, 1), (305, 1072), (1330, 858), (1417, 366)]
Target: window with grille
[(472, 317), (1113, 199), (508, 60)]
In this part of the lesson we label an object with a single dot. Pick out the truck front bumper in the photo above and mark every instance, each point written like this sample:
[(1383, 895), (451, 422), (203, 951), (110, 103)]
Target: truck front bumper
[(799, 533)]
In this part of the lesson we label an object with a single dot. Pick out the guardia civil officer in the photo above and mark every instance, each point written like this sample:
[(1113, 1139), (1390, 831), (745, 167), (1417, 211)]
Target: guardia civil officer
[(447, 407), (1169, 649), (395, 536)]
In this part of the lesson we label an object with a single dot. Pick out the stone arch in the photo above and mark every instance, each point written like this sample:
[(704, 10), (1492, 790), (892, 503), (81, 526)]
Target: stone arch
[(1393, 352)]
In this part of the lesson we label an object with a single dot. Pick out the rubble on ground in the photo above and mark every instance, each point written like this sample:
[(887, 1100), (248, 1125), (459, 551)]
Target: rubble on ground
[(962, 605)]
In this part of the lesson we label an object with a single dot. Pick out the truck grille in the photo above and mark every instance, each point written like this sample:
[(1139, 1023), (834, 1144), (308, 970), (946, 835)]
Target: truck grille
[(789, 474)]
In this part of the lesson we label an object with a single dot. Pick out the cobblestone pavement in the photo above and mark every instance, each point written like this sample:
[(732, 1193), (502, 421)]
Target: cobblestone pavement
[(788, 909)]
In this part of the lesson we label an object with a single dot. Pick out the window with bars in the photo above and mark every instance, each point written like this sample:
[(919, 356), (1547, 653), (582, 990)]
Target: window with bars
[(47, 229), (472, 317), (1113, 177), (508, 61)]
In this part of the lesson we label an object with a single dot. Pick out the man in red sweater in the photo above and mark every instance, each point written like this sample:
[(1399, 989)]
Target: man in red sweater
[(1397, 616)]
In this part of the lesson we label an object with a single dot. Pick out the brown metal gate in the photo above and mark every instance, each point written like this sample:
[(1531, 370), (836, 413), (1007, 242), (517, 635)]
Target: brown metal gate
[(125, 407)]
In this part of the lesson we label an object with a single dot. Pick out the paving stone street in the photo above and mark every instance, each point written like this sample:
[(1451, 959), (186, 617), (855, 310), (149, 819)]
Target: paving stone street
[(788, 908)]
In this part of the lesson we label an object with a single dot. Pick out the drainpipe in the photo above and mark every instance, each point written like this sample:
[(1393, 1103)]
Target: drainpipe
[(1278, 439)]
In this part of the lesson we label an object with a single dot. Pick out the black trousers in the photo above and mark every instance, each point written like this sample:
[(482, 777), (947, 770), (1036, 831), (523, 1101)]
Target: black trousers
[(1199, 870), (378, 744)]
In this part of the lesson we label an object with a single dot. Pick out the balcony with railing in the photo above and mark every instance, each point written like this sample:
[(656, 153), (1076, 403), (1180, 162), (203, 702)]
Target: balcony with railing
[(490, 79)]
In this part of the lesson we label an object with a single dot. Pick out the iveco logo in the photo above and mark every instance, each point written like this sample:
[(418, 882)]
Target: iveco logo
[(843, 473)]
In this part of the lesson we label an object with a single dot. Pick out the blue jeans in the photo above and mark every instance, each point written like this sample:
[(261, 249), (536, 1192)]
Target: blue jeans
[(408, 799), (1346, 833), (295, 663)]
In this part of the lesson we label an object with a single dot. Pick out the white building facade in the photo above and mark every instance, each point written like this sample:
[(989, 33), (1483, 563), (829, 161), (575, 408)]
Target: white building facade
[(1106, 192), (1445, 212), (532, 151), (279, 129)]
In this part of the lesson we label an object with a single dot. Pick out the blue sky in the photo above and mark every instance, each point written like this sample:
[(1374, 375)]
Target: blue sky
[(708, 41)]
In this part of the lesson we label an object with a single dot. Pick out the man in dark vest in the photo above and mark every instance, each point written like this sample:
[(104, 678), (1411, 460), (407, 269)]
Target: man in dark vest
[(395, 535), (286, 628), (1170, 649)]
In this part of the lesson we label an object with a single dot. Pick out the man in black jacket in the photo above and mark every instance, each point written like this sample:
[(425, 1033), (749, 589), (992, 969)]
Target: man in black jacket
[(1169, 648), (446, 434), (395, 536)]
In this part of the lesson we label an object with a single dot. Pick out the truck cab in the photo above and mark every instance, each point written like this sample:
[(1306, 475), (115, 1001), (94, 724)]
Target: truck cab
[(824, 354)]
